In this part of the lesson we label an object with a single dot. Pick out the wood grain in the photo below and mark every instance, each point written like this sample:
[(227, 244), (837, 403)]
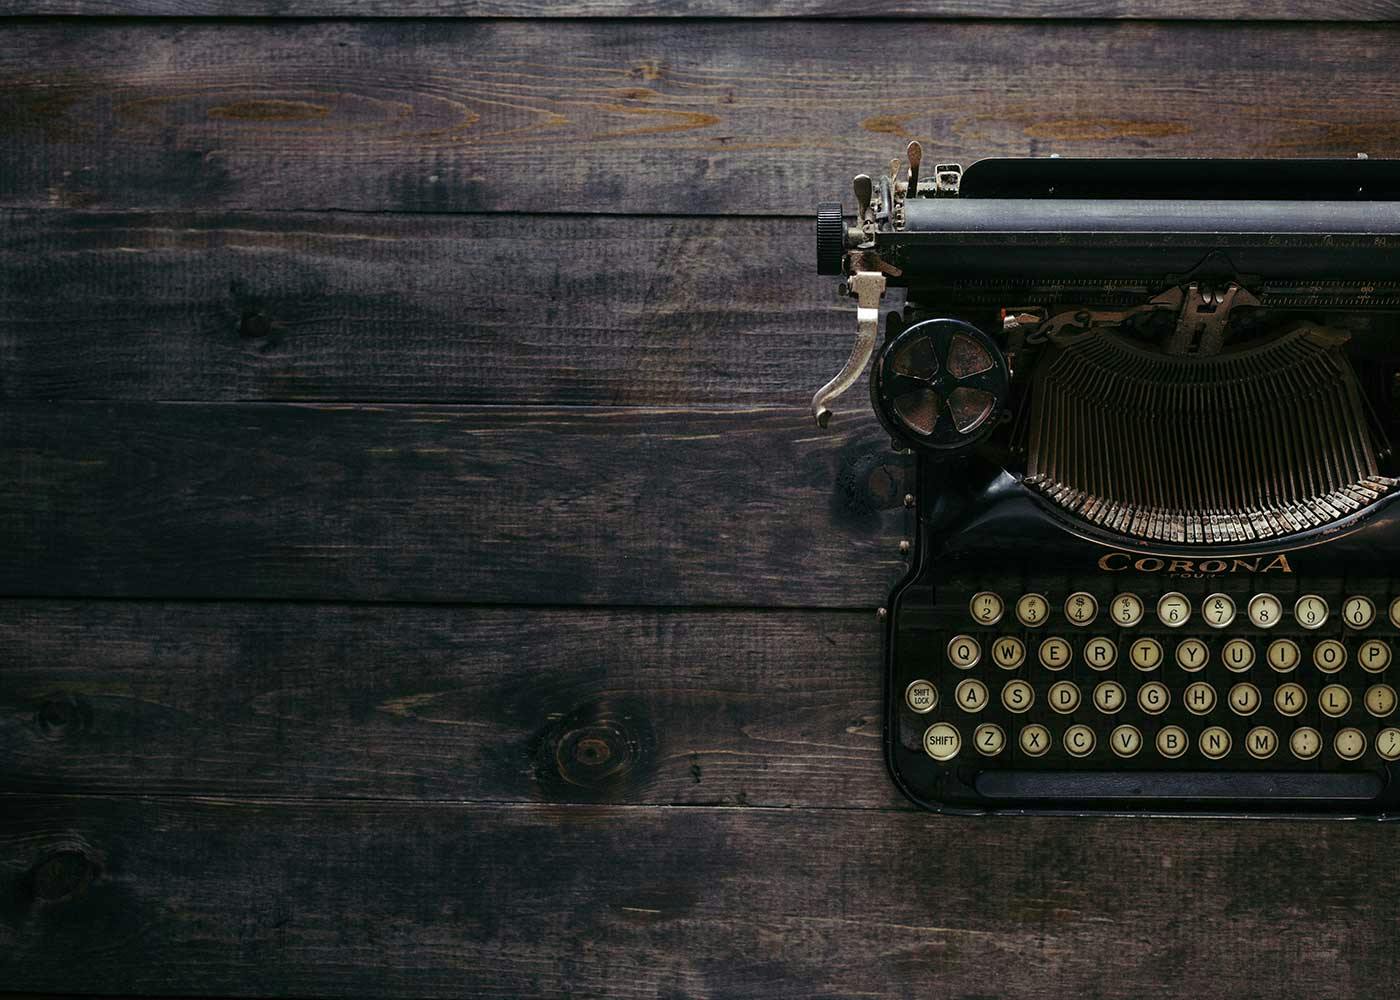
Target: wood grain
[(483, 309), (1311, 10), (778, 708), (703, 117), (239, 897), (485, 504)]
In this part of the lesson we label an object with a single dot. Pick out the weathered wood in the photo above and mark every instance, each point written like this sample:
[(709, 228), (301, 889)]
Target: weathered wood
[(776, 708), (705, 117), (241, 897), (481, 309), (486, 504), (1311, 10)]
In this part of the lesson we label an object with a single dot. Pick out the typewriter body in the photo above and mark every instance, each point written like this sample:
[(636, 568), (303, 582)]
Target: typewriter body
[(1151, 406)]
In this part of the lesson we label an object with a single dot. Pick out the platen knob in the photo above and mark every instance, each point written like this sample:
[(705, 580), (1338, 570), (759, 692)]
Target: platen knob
[(831, 237), (940, 385)]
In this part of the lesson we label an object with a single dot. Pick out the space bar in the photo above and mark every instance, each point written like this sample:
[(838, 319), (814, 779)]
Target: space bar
[(1175, 785)]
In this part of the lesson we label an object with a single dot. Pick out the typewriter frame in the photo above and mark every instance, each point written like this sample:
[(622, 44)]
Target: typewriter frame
[(1346, 254), (898, 756)]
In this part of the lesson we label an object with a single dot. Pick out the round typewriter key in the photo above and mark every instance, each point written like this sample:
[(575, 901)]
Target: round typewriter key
[(1238, 655), (1388, 743), (1310, 611), (964, 652), (1215, 742), (1172, 741), (1109, 697), (1305, 743), (989, 739), (1329, 656), (1032, 610), (1358, 612), (1380, 700), (1218, 610), (1173, 609), (1153, 698), (1008, 652), (1373, 655), (1127, 610), (1290, 699), (1035, 740), (1265, 610), (971, 695), (1334, 700), (1261, 742), (1126, 741), (1349, 743), (1100, 653), (986, 608), (1055, 653), (1283, 655), (1081, 608), (1192, 654), (1244, 699), (1064, 697), (1395, 612), (921, 696), (1199, 698), (1017, 696), (1079, 741), (941, 741), (1145, 654)]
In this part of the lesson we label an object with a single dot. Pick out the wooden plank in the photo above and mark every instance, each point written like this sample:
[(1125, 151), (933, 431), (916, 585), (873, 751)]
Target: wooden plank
[(634, 505), (705, 117), (559, 309), (1220, 10), (776, 708), (384, 899)]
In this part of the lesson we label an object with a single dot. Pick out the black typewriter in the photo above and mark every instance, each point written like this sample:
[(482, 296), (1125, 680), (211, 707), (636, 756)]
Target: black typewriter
[(1151, 406)]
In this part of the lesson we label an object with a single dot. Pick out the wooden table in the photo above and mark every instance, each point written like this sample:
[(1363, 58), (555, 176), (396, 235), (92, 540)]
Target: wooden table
[(421, 575)]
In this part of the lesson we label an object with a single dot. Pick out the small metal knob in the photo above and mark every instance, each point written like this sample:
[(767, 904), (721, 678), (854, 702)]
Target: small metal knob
[(831, 238)]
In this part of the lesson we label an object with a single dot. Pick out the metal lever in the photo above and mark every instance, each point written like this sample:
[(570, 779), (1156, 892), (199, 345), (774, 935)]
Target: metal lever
[(916, 157), (868, 287)]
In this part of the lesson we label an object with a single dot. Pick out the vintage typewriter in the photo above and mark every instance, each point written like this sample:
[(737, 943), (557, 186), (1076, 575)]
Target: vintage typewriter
[(1150, 405)]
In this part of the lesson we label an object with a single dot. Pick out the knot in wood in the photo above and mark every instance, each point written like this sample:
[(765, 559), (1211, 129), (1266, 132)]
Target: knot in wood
[(595, 754), (61, 874), (597, 751), (871, 480), (62, 715)]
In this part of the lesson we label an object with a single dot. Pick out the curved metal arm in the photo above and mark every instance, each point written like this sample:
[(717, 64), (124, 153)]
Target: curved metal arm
[(868, 287)]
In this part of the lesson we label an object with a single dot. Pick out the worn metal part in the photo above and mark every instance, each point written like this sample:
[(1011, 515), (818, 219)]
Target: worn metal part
[(868, 288), (1200, 325), (1254, 444)]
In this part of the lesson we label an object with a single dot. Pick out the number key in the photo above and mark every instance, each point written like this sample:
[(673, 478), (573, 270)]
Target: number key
[(1127, 610), (1081, 608), (1173, 609), (1265, 610), (1310, 611), (1032, 610), (986, 608), (1218, 610), (1358, 612)]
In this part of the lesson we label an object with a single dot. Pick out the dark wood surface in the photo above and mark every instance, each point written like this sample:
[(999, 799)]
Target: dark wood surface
[(713, 707), (328, 306), (1280, 10), (289, 897), (421, 576), (469, 504), (693, 117)]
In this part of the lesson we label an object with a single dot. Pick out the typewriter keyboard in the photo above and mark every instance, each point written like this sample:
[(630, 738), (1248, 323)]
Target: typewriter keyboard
[(1156, 680)]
